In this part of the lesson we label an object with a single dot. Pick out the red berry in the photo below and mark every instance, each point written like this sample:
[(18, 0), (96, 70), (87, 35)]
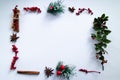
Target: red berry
[(91, 13), (79, 8), (15, 58), (14, 48), (77, 14), (25, 8), (39, 11), (83, 9), (51, 7), (59, 73), (62, 67), (16, 51)]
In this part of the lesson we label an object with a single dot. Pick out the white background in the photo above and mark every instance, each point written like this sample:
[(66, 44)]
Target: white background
[(46, 39)]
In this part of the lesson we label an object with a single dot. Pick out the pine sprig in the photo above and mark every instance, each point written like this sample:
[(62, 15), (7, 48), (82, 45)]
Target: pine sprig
[(64, 71), (55, 7), (100, 35)]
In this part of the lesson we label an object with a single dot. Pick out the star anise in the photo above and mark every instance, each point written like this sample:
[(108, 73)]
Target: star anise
[(71, 9), (48, 71), (14, 37)]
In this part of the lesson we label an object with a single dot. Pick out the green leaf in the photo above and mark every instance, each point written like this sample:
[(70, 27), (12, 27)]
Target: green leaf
[(106, 18), (98, 37), (93, 36), (104, 36), (103, 16), (58, 65), (95, 19), (98, 47), (107, 41), (107, 32), (100, 53), (104, 45), (101, 58)]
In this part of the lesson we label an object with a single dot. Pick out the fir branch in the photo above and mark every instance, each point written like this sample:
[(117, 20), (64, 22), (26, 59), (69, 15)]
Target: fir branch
[(101, 33), (64, 71), (55, 7)]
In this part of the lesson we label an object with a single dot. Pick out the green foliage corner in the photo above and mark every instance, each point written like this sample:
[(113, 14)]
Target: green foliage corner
[(100, 35)]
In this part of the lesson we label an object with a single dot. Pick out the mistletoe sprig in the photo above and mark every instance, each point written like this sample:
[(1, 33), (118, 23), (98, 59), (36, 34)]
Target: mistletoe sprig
[(55, 8), (64, 71), (101, 33)]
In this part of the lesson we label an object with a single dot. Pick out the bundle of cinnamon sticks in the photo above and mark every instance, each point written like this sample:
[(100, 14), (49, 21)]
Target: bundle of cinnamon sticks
[(15, 24)]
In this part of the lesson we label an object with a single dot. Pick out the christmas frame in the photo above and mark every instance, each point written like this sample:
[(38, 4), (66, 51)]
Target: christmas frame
[(94, 36)]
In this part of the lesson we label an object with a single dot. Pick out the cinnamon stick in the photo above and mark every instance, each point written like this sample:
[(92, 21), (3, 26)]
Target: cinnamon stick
[(29, 72)]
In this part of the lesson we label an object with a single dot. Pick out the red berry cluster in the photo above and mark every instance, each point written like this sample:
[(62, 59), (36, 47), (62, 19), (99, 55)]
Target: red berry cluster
[(59, 72), (84, 9), (32, 9), (15, 58)]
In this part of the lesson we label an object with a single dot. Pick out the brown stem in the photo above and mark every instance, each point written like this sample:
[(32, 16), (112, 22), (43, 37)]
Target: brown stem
[(86, 71)]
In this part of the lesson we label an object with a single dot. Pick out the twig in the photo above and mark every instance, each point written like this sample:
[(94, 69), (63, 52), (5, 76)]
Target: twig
[(86, 71)]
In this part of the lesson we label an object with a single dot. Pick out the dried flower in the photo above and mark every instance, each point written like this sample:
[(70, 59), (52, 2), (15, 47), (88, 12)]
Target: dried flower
[(48, 71), (14, 37), (71, 9)]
